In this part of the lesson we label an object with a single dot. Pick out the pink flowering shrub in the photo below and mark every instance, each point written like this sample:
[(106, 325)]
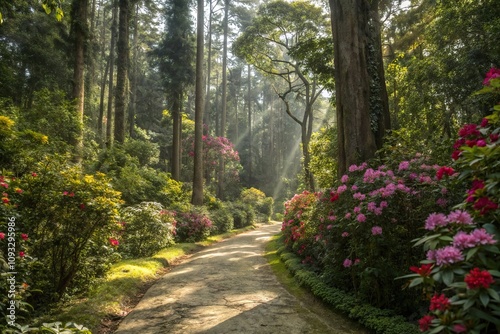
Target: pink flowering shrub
[(462, 250), (358, 234), (192, 226)]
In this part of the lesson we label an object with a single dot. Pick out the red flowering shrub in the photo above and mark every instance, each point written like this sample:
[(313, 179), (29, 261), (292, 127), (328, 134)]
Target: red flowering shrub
[(462, 247)]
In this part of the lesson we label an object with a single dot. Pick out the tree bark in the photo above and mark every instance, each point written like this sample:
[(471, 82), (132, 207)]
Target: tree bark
[(122, 70), (176, 134), (80, 30), (357, 141), (111, 93), (197, 198)]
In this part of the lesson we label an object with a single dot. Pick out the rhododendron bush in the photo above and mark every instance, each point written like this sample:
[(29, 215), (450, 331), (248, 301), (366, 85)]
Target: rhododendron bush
[(358, 234), (460, 274)]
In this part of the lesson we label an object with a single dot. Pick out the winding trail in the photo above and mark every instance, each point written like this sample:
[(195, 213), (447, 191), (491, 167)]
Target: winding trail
[(228, 288)]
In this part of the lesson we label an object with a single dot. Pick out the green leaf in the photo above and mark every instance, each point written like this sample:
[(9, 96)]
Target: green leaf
[(416, 281), (425, 239), (470, 302), (485, 298), (471, 253), (495, 273), (483, 315), (493, 294), (438, 329), (448, 277)]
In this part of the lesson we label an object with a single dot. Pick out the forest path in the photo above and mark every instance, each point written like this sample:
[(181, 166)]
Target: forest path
[(228, 287)]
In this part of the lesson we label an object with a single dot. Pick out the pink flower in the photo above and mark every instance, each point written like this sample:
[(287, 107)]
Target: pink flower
[(361, 218), (481, 237), (404, 165), (448, 255), (493, 73), (434, 220), (345, 234), (22, 254), (460, 217), (359, 196), (348, 215), (24, 236), (376, 230), (2, 235), (354, 188), (459, 328), (356, 209), (347, 263), (344, 178), (341, 189), (484, 122), (332, 217)]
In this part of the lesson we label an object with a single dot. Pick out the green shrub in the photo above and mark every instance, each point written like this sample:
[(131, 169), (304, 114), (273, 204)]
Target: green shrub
[(69, 218), (147, 228), (243, 214), (257, 199), (222, 219), (192, 226)]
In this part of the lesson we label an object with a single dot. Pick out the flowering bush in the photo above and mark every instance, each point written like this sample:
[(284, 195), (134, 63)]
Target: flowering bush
[(461, 272), (358, 235), (69, 218), (192, 226), (147, 228), (263, 205)]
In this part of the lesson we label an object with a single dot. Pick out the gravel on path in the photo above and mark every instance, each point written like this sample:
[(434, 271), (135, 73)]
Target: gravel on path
[(228, 288)]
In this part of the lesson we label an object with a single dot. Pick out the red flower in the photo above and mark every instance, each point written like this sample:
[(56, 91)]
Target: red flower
[(2, 235), (21, 254), (494, 137), (34, 174), (469, 130), (425, 322), (334, 196), (24, 236), (5, 200), (484, 205), (82, 206), (484, 122), (440, 303), (478, 278), (423, 270), (444, 171), (492, 74), (113, 242)]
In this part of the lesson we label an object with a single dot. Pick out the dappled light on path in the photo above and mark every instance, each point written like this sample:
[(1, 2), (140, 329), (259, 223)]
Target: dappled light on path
[(225, 288)]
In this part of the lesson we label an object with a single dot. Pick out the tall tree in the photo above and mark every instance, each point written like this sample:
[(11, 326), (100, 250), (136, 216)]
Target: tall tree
[(197, 198), (122, 69), (361, 98), (175, 59), (79, 29)]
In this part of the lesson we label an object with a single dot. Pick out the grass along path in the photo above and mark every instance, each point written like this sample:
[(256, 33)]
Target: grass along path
[(127, 281)]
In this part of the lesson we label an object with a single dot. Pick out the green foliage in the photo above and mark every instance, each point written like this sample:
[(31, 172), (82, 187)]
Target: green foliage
[(378, 320), (323, 149), (147, 228), (194, 225), (69, 217), (243, 214), (222, 219), (50, 328), (257, 199), (358, 235), (461, 270)]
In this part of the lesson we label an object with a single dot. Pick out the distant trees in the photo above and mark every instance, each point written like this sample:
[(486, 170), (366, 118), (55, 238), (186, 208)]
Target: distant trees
[(274, 44)]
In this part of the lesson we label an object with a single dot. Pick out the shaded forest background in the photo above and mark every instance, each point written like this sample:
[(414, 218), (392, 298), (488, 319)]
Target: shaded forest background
[(129, 65)]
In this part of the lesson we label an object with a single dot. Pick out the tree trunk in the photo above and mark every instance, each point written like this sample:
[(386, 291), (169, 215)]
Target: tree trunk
[(176, 134), (111, 93), (79, 29), (357, 141), (206, 114), (133, 88), (249, 126), (122, 70), (197, 198), (220, 185)]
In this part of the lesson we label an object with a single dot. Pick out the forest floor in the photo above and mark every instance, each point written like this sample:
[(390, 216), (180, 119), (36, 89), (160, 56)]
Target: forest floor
[(230, 287)]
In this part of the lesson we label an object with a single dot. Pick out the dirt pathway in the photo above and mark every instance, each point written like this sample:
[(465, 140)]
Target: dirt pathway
[(227, 288)]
